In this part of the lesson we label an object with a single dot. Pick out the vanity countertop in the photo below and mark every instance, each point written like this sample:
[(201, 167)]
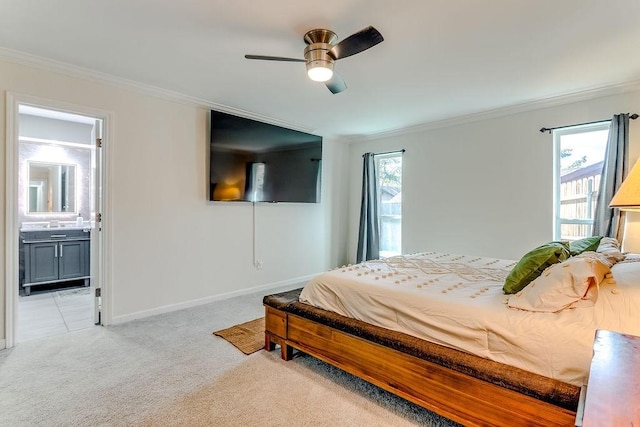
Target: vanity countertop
[(62, 226)]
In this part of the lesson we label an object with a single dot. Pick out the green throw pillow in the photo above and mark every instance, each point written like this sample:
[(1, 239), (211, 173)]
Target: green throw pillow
[(533, 263), (584, 245)]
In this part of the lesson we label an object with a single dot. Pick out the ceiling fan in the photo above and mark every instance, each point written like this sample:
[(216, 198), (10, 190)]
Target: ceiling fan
[(322, 51)]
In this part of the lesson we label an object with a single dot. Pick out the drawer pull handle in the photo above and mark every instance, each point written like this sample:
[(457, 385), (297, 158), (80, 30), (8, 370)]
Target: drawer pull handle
[(58, 235), (55, 254)]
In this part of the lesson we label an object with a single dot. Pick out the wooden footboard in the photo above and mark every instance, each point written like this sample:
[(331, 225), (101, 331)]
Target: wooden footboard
[(455, 395)]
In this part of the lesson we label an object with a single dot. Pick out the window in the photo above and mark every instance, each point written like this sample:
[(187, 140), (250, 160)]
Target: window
[(579, 153), (389, 173)]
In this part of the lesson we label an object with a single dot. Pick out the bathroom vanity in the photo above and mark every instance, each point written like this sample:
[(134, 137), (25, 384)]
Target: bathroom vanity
[(49, 256)]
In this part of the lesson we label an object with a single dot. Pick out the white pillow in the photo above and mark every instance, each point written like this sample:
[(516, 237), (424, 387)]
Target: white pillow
[(610, 248), (564, 285)]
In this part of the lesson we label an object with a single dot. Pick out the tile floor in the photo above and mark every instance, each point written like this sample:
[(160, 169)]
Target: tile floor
[(44, 314)]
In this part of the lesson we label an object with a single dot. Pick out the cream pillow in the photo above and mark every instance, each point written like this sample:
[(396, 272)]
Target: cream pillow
[(563, 285)]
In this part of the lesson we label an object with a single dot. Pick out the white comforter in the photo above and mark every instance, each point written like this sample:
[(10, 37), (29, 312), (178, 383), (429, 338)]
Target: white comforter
[(457, 301)]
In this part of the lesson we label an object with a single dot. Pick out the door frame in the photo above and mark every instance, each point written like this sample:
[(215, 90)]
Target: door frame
[(103, 258)]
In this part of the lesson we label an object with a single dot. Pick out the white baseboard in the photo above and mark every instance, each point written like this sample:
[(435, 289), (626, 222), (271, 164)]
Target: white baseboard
[(3, 344), (282, 286)]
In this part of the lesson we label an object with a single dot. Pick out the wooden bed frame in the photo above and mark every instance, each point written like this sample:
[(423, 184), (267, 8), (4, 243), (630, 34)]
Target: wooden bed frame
[(451, 392)]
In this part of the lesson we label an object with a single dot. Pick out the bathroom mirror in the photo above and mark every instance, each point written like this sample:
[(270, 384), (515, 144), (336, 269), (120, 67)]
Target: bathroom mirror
[(51, 188)]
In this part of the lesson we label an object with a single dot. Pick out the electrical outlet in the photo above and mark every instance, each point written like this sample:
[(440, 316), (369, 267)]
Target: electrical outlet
[(259, 264)]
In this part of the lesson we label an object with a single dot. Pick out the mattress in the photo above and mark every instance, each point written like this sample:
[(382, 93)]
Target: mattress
[(457, 301)]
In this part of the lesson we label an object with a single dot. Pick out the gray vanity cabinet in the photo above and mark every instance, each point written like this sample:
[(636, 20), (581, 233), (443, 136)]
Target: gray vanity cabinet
[(55, 256), (41, 263), (73, 261)]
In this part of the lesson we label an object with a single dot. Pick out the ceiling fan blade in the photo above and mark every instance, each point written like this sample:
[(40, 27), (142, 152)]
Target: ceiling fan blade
[(336, 84), (356, 43), (274, 58)]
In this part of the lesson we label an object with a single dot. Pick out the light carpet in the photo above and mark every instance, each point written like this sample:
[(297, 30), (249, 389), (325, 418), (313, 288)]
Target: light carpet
[(168, 370)]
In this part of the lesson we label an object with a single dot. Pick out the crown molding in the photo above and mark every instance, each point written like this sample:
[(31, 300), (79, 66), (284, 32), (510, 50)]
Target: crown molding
[(145, 89), (553, 101), (75, 71)]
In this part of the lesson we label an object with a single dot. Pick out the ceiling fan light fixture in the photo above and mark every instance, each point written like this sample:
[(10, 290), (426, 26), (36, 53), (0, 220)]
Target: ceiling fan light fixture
[(323, 50), (319, 63), (320, 71)]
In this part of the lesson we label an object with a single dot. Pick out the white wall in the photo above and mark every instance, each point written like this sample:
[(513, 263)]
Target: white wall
[(484, 186), (54, 129), (172, 248)]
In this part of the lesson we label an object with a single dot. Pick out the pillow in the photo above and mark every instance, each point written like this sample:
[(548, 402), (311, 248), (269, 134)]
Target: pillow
[(588, 244), (626, 278), (533, 263), (610, 248), (565, 285)]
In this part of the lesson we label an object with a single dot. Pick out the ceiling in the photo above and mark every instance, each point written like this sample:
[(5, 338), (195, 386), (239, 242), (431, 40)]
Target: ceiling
[(440, 58)]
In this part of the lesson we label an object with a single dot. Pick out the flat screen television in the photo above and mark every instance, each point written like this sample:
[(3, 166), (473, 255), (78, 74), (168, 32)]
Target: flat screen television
[(254, 161)]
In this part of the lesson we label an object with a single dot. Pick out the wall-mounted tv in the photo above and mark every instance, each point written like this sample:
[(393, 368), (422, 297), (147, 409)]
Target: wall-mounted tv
[(259, 162)]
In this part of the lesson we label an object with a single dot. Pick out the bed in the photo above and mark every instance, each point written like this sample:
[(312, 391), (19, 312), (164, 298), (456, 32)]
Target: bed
[(438, 330)]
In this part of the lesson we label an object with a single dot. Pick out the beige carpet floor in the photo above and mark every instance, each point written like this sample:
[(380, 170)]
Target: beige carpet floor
[(266, 391), (169, 370)]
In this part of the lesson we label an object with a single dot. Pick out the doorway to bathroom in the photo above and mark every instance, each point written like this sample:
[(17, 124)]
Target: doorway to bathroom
[(57, 205)]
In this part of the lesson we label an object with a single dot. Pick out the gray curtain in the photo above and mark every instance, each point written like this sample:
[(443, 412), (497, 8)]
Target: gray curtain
[(607, 221), (369, 235)]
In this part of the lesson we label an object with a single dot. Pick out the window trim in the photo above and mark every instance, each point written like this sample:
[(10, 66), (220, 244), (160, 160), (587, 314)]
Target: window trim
[(377, 158), (557, 135)]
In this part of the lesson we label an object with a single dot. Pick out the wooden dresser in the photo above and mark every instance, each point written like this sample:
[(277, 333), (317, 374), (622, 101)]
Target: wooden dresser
[(613, 391)]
